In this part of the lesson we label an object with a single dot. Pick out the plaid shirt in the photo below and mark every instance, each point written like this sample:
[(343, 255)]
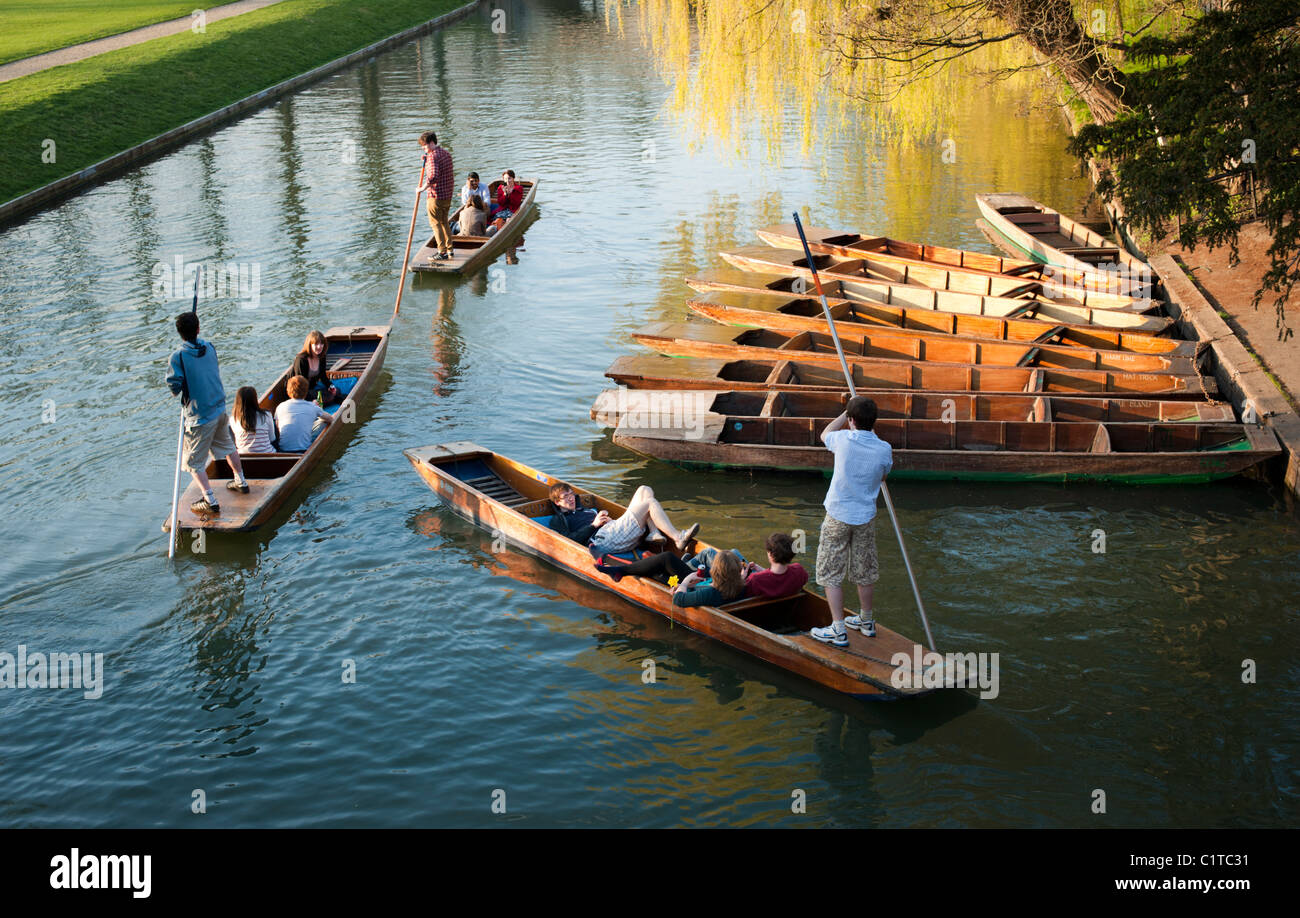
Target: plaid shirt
[(438, 173)]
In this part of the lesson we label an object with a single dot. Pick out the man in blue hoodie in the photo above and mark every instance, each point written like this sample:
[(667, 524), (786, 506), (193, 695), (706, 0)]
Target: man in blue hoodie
[(195, 378)]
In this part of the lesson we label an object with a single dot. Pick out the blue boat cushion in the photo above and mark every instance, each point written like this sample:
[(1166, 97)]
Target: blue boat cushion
[(544, 520), (345, 385)]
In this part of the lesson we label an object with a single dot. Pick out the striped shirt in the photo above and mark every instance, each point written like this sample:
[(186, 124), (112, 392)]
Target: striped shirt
[(257, 441), (439, 173)]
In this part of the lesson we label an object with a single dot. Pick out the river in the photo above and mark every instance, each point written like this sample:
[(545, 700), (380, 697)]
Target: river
[(476, 672)]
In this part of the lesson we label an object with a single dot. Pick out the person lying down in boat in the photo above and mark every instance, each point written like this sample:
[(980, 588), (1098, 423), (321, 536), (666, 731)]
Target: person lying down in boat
[(604, 535), (729, 577)]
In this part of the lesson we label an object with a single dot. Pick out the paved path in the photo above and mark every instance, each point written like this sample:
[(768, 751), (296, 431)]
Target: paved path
[(39, 62), (1231, 289)]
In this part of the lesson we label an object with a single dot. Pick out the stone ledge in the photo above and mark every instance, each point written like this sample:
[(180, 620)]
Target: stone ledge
[(1241, 377)]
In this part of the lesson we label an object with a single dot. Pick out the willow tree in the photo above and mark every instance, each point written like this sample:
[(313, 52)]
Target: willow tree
[(1214, 117), (907, 60)]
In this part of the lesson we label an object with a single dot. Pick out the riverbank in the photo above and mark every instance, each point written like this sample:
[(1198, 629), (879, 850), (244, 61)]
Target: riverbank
[(118, 35), (74, 125), (1212, 301)]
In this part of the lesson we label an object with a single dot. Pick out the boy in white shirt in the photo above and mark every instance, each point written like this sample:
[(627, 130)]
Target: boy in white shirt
[(847, 548), (298, 419)]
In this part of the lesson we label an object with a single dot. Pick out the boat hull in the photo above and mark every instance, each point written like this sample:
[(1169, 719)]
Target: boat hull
[(863, 669)]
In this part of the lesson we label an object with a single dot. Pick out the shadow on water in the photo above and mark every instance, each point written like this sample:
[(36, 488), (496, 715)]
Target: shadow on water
[(634, 633)]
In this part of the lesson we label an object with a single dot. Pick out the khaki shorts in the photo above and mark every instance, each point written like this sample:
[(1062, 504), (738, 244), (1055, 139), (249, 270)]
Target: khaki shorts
[(847, 552), (214, 438)]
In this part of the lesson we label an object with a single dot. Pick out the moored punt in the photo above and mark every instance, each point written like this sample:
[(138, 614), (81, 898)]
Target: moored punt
[(469, 253), (507, 497), (698, 339), (354, 360), (1135, 453), (676, 408), (760, 310), (1048, 236), (916, 304), (886, 250), (787, 261), (643, 372)]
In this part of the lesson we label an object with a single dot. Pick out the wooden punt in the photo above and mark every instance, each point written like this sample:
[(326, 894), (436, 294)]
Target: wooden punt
[(643, 407), (768, 310), (505, 497), (355, 357), (469, 253), (643, 372), (977, 450), (697, 339), (787, 261), (916, 303), (1048, 236), (886, 250)]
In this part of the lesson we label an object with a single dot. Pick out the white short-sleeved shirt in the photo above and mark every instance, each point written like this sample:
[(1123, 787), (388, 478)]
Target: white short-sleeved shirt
[(862, 460), (296, 418)]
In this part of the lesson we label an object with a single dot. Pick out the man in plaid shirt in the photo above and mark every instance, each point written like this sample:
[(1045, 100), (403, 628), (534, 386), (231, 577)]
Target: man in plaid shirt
[(439, 178)]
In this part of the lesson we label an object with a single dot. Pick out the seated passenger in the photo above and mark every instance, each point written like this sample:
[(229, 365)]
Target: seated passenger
[(783, 578), (299, 420), (253, 428), (509, 198), (471, 219), (472, 188), (605, 536), (724, 583), (310, 365)]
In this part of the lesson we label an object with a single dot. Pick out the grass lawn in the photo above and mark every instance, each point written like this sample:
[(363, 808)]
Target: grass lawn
[(36, 26), (105, 104)]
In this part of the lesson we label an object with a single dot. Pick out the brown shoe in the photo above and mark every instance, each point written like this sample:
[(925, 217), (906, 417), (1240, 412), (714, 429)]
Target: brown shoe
[(201, 506)]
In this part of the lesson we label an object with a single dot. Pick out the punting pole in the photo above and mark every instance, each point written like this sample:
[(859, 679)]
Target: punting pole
[(406, 258), (180, 445), (853, 391)]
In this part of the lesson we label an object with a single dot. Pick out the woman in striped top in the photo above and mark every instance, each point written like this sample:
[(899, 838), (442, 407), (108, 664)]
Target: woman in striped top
[(253, 429)]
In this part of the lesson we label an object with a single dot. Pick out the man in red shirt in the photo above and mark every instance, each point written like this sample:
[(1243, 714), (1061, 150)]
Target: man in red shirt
[(783, 578), (439, 178)]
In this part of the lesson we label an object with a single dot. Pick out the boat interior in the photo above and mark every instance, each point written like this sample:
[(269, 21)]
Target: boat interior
[(470, 243), (503, 482), (348, 357), (1002, 436), (955, 406), (1047, 226)]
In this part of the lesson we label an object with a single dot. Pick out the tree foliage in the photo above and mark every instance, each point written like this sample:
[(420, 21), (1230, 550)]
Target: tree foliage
[(1215, 116)]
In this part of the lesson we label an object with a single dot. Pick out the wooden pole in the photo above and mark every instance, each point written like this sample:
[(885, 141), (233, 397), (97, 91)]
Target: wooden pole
[(853, 391), (176, 487), (180, 446), (406, 257)]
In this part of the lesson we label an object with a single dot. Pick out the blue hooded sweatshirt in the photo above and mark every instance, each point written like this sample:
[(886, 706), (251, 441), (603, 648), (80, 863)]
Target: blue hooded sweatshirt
[(194, 376)]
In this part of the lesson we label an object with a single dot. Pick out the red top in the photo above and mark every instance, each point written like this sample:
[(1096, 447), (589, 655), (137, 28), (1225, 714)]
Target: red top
[(438, 173), (771, 586), (513, 199)]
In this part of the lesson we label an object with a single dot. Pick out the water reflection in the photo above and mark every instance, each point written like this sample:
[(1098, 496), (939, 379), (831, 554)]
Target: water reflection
[(293, 209), (212, 191)]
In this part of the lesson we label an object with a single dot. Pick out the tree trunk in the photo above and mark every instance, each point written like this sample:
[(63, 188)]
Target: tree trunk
[(1052, 30)]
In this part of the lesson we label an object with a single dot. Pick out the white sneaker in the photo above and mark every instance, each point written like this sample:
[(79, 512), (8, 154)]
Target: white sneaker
[(858, 623), (829, 635)]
